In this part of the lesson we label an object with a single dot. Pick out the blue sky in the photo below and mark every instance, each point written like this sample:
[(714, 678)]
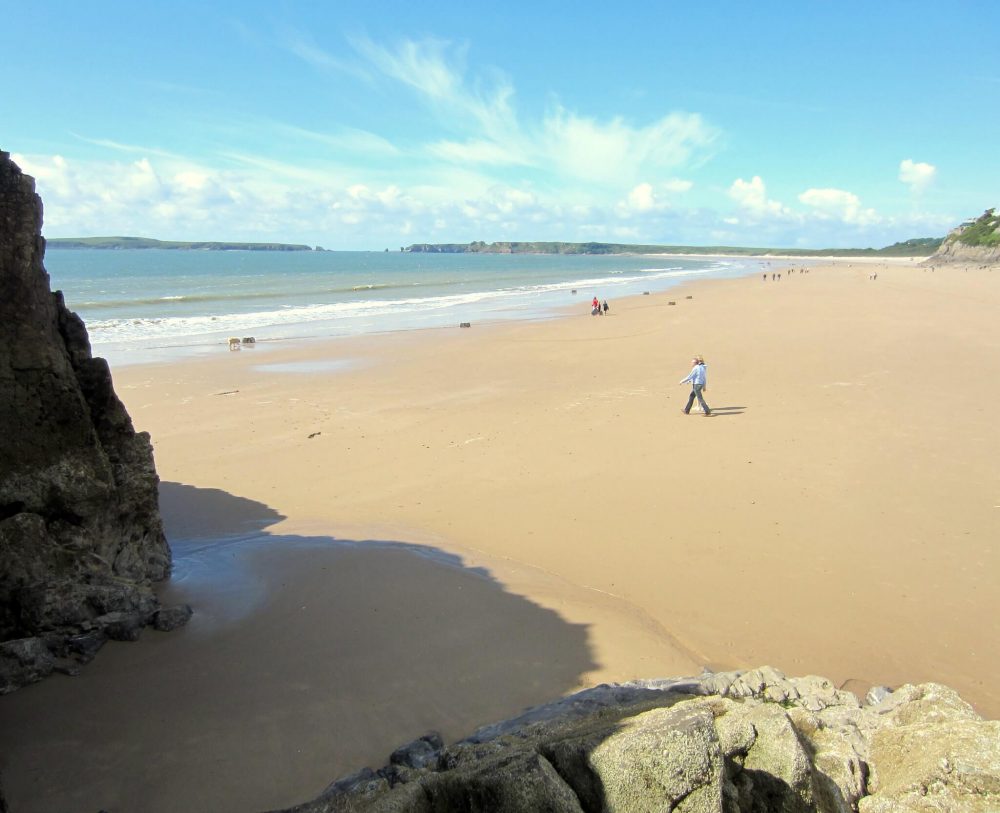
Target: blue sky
[(360, 125)]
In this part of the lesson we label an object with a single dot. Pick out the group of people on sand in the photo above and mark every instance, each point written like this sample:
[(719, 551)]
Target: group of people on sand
[(790, 272), (598, 308)]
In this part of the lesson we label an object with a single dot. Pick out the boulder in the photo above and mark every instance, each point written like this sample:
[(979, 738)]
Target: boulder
[(665, 759), (170, 618), (24, 661), (722, 743), (932, 752), (422, 753)]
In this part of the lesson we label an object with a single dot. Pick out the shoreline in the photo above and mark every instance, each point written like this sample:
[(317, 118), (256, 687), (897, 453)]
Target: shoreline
[(832, 518), (162, 354), (509, 290)]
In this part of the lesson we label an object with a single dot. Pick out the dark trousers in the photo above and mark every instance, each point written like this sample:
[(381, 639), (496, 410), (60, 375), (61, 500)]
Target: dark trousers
[(696, 393)]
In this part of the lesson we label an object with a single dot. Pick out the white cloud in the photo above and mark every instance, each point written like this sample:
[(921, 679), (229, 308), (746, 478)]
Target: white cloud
[(751, 196), (641, 198), (916, 175), (256, 198), (646, 199), (839, 204), (141, 183), (615, 151)]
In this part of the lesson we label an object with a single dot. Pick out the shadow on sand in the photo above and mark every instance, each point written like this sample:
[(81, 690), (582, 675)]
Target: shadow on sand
[(307, 658), (728, 411)]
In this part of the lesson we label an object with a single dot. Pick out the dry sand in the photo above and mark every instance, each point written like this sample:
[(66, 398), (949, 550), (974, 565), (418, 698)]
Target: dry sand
[(445, 526)]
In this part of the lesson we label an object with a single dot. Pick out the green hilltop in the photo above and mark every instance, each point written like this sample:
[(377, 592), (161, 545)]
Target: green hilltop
[(147, 242)]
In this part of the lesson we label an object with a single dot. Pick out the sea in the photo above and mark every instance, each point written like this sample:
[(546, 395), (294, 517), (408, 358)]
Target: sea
[(149, 305)]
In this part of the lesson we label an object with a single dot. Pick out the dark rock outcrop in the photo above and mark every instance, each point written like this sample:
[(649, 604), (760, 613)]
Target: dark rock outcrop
[(80, 532), (734, 742)]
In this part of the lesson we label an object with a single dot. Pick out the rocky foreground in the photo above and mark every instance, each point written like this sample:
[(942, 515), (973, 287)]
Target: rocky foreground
[(728, 742), (81, 538)]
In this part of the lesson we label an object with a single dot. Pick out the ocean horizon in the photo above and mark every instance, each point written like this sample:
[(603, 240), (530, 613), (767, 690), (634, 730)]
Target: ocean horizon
[(148, 305)]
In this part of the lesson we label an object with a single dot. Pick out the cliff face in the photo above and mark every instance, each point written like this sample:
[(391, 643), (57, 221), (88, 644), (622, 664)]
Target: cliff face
[(80, 531), (976, 242), (955, 252)]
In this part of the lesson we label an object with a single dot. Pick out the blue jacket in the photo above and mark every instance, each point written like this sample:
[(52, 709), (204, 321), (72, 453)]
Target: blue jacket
[(696, 376)]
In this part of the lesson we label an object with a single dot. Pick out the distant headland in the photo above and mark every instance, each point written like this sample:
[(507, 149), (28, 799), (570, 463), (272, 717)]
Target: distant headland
[(917, 247), (148, 242)]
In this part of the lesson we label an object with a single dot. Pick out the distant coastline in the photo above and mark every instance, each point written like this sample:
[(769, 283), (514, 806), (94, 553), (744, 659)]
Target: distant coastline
[(111, 243), (917, 247)]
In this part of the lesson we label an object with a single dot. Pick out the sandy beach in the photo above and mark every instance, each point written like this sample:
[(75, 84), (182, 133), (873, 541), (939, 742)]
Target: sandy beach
[(434, 529)]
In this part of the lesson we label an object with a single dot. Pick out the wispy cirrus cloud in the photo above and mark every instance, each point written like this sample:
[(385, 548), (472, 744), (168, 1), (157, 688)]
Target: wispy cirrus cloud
[(435, 70), (479, 151), (619, 153), (304, 46), (350, 139), (563, 142), (134, 149)]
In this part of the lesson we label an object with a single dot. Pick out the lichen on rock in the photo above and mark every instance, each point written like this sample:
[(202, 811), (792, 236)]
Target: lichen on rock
[(732, 742)]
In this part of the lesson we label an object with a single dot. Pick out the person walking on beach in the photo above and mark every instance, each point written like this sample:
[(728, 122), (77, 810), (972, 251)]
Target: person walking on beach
[(604, 305), (698, 385)]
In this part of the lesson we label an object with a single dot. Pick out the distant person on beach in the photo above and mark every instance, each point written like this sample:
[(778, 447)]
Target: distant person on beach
[(605, 306), (595, 307), (699, 384)]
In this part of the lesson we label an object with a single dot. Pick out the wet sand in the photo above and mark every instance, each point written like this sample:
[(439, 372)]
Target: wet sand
[(448, 525)]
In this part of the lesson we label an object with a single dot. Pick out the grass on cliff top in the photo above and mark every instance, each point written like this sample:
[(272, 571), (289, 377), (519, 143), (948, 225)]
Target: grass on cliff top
[(985, 231), (147, 242)]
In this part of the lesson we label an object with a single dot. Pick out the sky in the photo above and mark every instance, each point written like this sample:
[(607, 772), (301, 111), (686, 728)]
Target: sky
[(362, 125)]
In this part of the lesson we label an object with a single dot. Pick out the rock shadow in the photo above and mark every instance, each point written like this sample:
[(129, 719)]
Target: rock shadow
[(204, 513), (307, 658)]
